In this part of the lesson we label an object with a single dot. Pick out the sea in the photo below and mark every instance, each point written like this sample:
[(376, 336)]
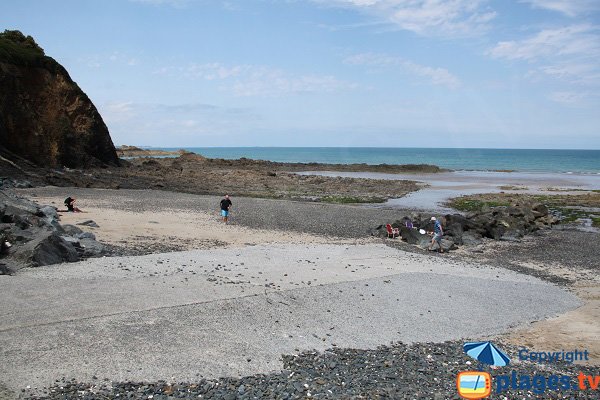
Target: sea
[(518, 160)]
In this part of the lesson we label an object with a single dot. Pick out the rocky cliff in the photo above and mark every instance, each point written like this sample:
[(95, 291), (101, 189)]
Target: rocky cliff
[(44, 116)]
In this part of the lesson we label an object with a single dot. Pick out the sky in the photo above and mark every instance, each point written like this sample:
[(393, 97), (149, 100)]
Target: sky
[(382, 73)]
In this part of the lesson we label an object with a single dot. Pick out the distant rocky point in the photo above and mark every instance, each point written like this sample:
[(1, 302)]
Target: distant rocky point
[(133, 151), (45, 118)]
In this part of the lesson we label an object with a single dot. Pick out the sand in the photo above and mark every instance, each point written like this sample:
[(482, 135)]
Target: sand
[(183, 229), (239, 293)]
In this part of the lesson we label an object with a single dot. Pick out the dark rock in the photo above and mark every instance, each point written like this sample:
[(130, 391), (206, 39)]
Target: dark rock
[(71, 230), (37, 237), (92, 248), (44, 116), (85, 235), (471, 238), (5, 270), (73, 241), (464, 222), (413, 236), (446, 245), (455, 230), (46, 249), (50, 217), (89, 223)]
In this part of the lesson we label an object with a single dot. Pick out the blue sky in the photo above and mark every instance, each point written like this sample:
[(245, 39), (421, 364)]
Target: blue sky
[(398, 73)]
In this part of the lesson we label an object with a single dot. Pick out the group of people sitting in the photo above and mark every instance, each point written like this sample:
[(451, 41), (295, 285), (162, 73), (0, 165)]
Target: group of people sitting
[(438, 232)]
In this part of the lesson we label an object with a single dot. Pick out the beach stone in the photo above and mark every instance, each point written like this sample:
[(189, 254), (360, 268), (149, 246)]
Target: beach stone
[(85, 235), (89, 223), (72, 230)]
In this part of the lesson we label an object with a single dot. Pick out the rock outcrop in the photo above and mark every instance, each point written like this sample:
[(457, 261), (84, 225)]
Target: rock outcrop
[(31, 236), (44, 116), (498, 223)]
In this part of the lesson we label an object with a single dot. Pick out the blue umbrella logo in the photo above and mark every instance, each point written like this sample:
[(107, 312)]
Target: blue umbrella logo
[(487, 353)]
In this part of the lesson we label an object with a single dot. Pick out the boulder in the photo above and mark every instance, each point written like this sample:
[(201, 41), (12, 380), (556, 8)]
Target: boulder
[(464, 222), (509, 223), (50, 217), (37, 238), (413, 236), (85, 235), (46, 249), (471, 238), (455, 231), (71, 230), (446, 245), (92, 248)]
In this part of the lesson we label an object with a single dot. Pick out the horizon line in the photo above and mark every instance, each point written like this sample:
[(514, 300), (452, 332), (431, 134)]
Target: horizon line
[(357, 147)]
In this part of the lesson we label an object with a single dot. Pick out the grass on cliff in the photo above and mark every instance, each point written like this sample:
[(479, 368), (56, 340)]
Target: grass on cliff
[(18, 49)]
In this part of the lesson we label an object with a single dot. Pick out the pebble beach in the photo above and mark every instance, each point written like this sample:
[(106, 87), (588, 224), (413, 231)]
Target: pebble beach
[(264, 306)]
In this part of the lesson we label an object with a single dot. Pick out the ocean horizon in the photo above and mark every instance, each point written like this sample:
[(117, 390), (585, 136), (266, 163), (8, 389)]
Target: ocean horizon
[(467, 159)]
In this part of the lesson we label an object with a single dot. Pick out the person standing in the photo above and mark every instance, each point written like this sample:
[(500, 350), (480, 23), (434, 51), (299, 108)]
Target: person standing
[(438, 233), (225, 207)]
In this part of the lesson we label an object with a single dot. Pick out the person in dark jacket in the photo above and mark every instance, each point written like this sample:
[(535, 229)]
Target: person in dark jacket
[(70, 203), (225, 208)]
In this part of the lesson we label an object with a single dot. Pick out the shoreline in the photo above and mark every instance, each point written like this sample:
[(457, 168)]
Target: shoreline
[(183, 276), (458, 159), (174, 249)]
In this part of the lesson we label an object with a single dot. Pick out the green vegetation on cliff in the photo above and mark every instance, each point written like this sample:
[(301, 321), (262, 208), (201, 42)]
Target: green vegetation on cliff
[(18, 49)]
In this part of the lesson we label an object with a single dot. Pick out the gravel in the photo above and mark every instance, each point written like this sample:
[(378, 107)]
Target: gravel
[(397, 371), (350, 221), (416, 371)]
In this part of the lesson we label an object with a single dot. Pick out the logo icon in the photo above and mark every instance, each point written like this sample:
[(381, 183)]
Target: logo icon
[(486, 353), (474, 384)]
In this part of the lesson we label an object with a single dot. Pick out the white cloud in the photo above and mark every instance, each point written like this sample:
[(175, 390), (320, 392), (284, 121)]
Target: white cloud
[(435, 75), (571, 8), (426, 17), (569, 54), (572, 40), (568, 98), (214, 71), (143, 123), (255, 80), (101, 60), (116, 112), (172, 3), (585, 74), (273, 82)]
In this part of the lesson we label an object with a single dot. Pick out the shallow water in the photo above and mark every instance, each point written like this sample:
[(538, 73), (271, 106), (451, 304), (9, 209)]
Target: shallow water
[(446, 185)]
